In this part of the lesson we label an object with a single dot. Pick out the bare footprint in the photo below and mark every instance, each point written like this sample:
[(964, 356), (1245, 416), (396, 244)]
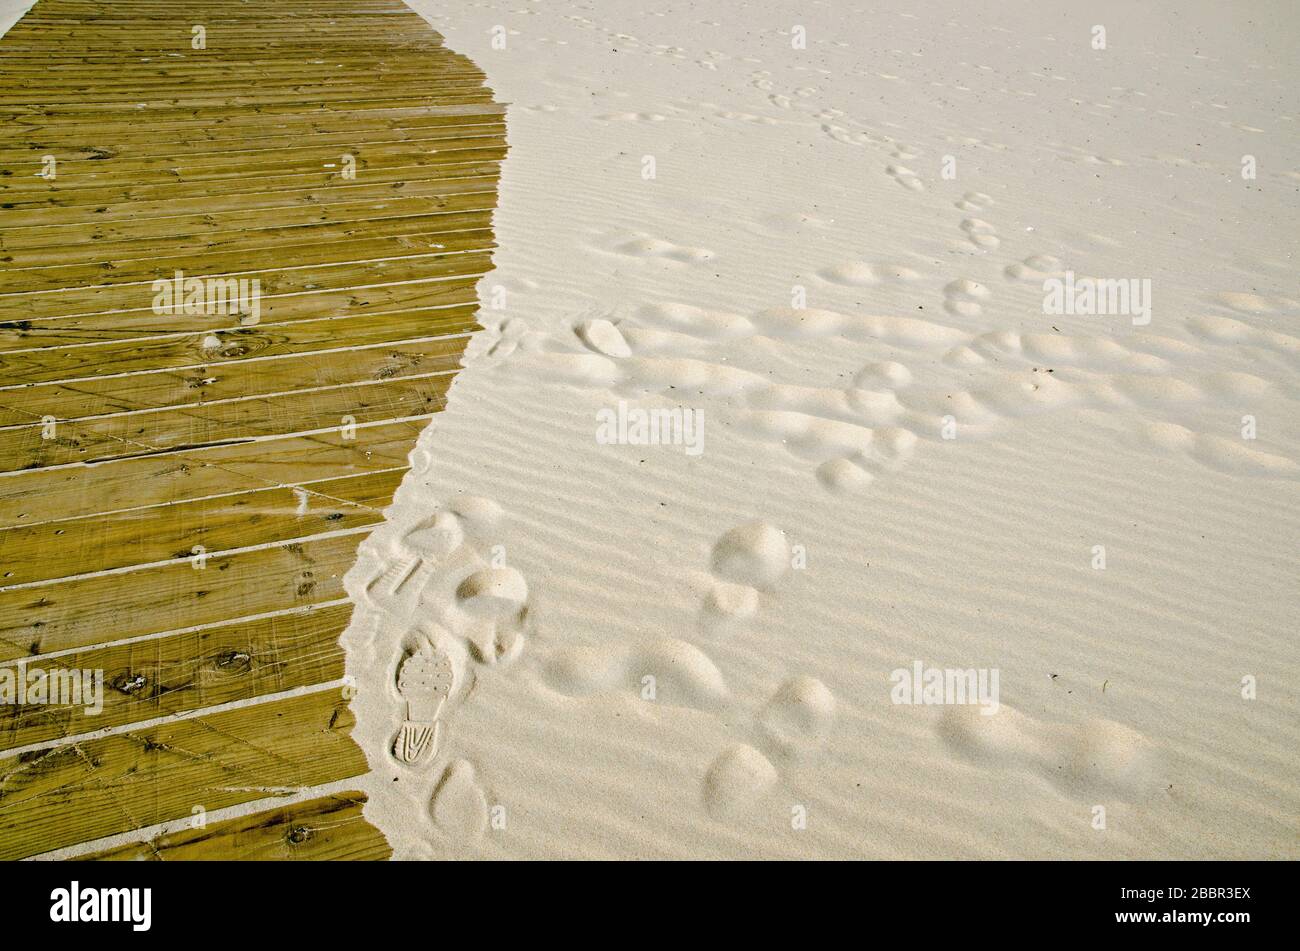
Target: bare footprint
[(748, 558), (436, 537), (981, 233), (737, 781), (459, 806), (1090, 758), (648, 247), (491, 610), (512, 332), (965, 297), (1034, 269), (973, 201), (603, 337), (798, 718), (755, 554), (864, 274), (905, 177), (671, 672)]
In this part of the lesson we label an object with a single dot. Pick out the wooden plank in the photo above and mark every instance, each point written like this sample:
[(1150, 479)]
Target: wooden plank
[(98, 609), (193, 670), (240, 365), (219, 109), (42, 495), (215, 226), (75, 793), (109, 206), (206, 93), (377, 252), (244, 168), (136, 300), (182, 371), (279, 311), (70, 148), (101, 542), (302, 410), (253, 125), (136, 262), (327, 829)]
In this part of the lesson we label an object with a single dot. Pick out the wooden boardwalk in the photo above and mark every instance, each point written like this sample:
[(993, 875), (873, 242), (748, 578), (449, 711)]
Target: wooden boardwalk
[(184, 480)]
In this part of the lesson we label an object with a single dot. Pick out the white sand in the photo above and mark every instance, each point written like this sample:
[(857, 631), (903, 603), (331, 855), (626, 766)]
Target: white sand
[(11, 11), (577, 569)]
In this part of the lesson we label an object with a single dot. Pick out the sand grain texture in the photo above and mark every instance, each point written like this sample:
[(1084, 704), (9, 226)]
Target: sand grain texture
[(667, 654)]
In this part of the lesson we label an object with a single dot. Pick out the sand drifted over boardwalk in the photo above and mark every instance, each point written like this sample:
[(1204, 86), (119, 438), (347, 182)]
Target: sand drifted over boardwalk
[(240, 244)]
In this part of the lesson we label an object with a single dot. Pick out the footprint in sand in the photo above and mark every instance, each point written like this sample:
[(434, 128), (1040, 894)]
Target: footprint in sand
[(796, 722), (603, 337), (647, 247), (888, 449), (965, 297), (390, 577), (876, 385), (435, 538), (1230, 455), (488, 607), (734, 116), (846, 136), (981, 234), (632, 117), (887, 374), (511, 334), (459, 805), (1088, 759), (748, 558), (490, 612), (863, 274), (737, 781), (1232, 332), (424, 681), (403, 564), (680, 674), (905, 177), (973, 201), (1035, 269), (755, 554), (1247, 303), (434, 569), (791, 726), (729, 603)]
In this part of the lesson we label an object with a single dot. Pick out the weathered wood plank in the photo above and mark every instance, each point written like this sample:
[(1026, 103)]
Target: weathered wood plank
[(225, 230), (75, 793), (302, 410), (135, 301), (77, 546), (99, 609), (193, 670), (327, 829), (116, 207), (185, 371), (42, 495)]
